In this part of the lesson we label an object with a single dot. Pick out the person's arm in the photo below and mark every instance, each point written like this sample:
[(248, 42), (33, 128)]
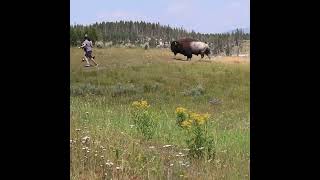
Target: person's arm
[(83, 45)]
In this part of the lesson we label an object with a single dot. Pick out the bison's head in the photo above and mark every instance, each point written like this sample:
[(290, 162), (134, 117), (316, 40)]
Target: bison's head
[(175, 47)]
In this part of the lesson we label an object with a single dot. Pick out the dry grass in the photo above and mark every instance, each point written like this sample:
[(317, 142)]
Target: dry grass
[(105, 145)]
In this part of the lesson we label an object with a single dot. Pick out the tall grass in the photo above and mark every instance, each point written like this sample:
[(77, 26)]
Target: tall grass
[(104, 142)]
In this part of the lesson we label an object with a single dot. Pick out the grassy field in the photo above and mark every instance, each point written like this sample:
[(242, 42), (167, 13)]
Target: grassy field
[(104, 143)]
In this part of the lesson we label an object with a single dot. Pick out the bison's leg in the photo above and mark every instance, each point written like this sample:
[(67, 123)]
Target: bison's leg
[(207, 52), (188, 53), (209, 56), (175, 55), (189, 57)]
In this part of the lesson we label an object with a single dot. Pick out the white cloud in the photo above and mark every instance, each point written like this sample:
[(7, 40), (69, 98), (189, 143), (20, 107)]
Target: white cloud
[(118, 15)]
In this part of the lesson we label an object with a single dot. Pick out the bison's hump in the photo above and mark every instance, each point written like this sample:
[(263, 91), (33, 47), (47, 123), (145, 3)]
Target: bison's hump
[(184, 40)]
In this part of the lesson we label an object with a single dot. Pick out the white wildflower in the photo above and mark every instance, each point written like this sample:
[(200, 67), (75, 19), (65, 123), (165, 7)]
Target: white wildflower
[(165, 146)]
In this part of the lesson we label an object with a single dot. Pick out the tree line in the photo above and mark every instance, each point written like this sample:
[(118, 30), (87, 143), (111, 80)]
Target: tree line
[(141, 32)]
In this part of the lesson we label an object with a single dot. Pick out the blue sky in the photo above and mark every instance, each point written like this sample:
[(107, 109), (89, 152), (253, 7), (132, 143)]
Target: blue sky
[(204, 16)]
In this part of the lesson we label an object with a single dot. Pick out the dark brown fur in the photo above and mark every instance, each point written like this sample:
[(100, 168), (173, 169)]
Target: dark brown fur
[(182, 46)]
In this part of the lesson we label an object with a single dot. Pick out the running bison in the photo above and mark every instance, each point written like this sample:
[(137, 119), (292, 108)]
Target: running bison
[(188, 46)]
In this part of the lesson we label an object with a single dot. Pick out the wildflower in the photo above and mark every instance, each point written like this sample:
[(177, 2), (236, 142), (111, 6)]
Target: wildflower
[(165, 146), (109, 163), (200, 148), (118, 168), (180, 110), (140, 104), (186, 124), (206, 115), (135, 103), (199, 118), (85, 139), (144, 104)]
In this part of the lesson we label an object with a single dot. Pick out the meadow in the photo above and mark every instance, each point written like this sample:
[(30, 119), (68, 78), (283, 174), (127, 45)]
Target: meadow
[(105, 143)]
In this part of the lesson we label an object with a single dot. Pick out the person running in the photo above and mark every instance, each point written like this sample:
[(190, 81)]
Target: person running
[(86, 36), (87, 47)]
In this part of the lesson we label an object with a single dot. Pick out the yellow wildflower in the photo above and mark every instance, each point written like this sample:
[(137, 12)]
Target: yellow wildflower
[(144, 104), (193, 115), (180, 110), (140, 104), (186, 124), (135, 103), (206, 116), (199, 118)]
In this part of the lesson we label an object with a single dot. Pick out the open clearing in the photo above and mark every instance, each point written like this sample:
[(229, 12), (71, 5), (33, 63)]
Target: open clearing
[(105, 145)]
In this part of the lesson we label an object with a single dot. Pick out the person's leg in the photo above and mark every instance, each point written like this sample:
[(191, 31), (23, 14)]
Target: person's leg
[(92, 58), (88, 64), (86, 57)]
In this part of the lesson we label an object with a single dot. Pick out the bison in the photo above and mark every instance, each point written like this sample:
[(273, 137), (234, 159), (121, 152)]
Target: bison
[(188, 46)]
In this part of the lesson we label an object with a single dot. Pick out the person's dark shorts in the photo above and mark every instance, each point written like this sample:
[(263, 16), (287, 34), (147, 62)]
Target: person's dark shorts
[(88, 54)]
